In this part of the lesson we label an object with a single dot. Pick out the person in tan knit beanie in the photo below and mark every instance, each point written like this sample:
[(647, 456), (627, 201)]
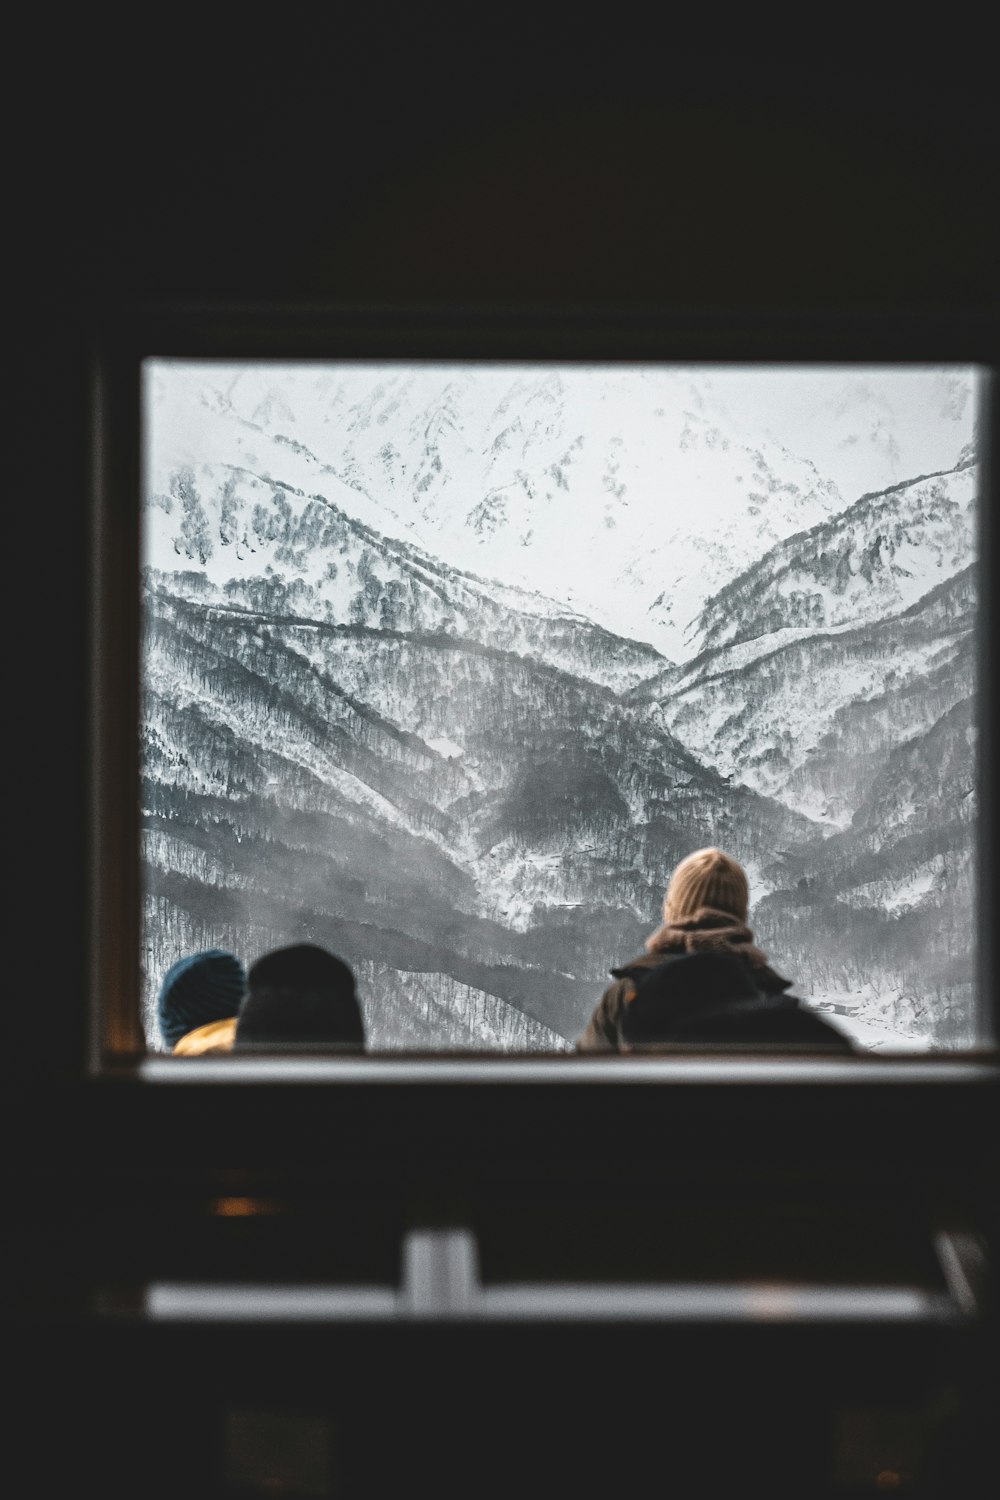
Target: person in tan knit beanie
[(735, 997), (707, 878)]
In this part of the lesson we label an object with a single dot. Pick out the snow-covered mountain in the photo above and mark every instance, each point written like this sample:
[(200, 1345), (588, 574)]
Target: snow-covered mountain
[(863, 720), (629, 493), (447, 667), (872, 560), (866, 428), (838, 644), (883, 915), (415, 800), (258, 543)]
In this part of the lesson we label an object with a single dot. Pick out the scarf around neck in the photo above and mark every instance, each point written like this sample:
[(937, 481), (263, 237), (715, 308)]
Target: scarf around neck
[(707, 930)]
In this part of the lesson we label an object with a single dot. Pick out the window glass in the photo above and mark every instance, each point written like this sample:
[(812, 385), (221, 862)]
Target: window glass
[(446, 666)]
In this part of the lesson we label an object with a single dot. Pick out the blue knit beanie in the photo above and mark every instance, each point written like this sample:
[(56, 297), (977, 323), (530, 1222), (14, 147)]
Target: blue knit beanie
[(200, 988)]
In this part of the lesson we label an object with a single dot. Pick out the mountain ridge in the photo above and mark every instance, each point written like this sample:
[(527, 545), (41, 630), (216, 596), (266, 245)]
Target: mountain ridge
[(346, 728)]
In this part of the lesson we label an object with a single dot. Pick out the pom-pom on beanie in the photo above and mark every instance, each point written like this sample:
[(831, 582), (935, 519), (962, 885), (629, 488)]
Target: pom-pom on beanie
[(202, 987), (707, 878)]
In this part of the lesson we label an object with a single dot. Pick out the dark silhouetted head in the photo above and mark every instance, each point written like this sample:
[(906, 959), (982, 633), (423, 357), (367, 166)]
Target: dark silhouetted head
[(300, 997)]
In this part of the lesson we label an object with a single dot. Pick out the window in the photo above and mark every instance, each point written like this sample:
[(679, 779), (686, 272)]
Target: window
[(447, 659)]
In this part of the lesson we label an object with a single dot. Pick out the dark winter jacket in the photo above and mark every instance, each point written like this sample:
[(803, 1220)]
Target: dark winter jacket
[(702, 981)]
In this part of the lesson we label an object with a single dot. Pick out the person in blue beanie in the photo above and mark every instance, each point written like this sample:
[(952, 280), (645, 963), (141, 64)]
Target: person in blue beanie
[(198, 1003)]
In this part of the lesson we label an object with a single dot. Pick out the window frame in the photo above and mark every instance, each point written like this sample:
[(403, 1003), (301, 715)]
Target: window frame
[(122, 336)]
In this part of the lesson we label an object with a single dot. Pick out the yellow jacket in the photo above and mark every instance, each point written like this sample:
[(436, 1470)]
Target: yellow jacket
[(216, 1036)]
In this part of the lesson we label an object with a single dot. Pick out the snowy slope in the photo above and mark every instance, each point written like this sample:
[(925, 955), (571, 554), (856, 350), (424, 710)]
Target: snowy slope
[(446, 668), (629, 493), (246, 541), (488, 807), (812, 720), (874, 559), (623, 494)]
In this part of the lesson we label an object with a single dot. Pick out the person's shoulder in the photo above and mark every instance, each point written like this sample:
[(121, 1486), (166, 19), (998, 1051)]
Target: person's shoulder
[(601, 1033), (636, 968), (809, 1026), (214, 1036), (771, 982)]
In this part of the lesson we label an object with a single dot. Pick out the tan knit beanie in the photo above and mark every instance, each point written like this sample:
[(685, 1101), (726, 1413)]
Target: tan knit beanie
[(707, 878)]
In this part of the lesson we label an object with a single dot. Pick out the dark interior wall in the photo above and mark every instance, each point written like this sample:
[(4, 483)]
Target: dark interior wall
[(397, 154)]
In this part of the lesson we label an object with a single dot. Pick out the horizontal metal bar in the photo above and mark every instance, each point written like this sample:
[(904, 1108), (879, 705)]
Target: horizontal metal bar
[(566, 1070), (559, 1302), (704, 1302), (440, 1281), (168, 1301)]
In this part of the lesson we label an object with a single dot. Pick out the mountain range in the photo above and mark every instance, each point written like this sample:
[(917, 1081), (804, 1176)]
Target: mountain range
[(474, 781)]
